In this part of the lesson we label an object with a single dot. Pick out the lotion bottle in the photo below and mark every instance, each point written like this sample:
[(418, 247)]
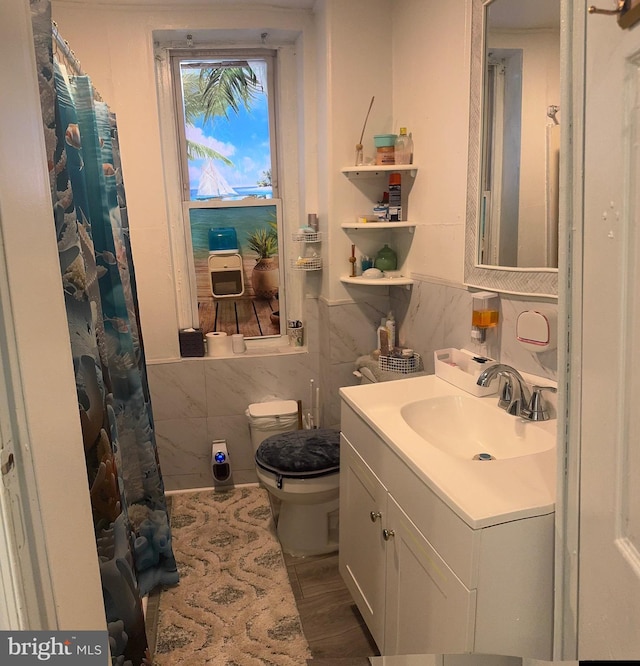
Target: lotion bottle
[(383, 336), (391, 330)]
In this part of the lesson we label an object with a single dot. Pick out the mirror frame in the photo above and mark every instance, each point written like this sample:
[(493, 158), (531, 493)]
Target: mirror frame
[(510, 280)]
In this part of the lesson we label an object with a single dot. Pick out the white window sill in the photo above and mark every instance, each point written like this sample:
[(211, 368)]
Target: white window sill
[(255, 348)]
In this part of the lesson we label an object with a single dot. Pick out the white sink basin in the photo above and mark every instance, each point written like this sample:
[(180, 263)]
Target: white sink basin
[(470, 429), (438, 429)]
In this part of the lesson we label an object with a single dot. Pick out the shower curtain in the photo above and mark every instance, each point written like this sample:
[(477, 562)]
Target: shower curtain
[(132, 531)]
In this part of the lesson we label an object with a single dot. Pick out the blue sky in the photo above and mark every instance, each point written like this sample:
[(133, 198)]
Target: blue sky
[(243, 138)]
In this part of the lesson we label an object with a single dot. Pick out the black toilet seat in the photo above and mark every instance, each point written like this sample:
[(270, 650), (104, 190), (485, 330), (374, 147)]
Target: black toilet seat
[(300, 454)]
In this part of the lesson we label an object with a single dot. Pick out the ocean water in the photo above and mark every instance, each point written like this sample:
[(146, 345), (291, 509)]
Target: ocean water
[(244, 220)]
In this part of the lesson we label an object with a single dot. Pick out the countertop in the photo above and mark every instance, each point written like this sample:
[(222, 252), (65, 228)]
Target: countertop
[(481, 493)]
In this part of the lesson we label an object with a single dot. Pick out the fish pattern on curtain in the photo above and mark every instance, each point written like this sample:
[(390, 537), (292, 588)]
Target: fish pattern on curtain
[(127, 493)]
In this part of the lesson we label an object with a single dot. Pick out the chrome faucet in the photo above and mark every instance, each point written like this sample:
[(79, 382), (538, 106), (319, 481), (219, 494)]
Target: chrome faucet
[(514, 392)]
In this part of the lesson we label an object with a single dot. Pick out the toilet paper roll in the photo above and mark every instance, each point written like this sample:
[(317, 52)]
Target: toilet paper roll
[(218, 344), (238, 344)]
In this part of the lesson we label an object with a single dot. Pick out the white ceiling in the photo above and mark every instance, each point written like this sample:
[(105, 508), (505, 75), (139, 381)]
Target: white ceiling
[(520, 14)]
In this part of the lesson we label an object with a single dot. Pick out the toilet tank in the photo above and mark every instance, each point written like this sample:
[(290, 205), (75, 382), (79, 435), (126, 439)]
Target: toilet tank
[(271, 418)]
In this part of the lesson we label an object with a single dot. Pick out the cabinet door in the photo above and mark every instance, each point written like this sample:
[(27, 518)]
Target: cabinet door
[(429, 610), (362, 548)]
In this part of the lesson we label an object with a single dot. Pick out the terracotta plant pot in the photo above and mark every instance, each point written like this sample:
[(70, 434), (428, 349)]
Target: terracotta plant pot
[(265, 278)]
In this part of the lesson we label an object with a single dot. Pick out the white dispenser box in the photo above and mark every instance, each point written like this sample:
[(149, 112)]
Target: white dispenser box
[(537, 330), (462, 368)]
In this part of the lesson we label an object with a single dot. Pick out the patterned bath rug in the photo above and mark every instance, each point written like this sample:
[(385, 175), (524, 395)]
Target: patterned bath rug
[(234, 605)]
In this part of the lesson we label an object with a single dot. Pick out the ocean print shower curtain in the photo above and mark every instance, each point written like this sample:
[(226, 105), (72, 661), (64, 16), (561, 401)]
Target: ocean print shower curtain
[(89, 212)]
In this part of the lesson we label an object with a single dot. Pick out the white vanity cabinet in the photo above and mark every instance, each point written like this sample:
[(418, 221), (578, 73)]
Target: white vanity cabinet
[(424, 581), (394, 574)]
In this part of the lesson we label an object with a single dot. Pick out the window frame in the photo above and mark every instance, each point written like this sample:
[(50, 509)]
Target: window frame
[(186, 288)]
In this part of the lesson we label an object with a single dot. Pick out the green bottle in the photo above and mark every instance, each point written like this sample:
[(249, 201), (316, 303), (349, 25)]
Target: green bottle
[(386, 259)]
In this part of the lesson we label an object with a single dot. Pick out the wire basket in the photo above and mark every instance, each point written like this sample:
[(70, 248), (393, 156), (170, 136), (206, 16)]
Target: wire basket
[(307, 237), (402, 364), (307, 264)]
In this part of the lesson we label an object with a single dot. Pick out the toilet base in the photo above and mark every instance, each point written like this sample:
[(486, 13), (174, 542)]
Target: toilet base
[(308, 529)]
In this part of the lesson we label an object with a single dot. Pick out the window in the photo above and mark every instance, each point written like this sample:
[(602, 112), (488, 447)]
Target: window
[(225, 109)]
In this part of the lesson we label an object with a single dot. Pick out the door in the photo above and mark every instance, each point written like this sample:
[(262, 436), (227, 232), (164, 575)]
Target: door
[(609, 555), (428, 609), (363, 501)]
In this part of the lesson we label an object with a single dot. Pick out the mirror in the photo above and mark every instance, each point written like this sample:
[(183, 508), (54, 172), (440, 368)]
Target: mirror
[(514, 143)]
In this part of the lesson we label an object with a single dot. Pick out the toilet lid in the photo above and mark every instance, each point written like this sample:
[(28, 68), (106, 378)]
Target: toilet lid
[(301, 453), (273, 408)]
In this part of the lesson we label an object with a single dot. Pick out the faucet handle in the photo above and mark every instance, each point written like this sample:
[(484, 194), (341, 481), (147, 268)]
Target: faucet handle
[(537, 409), (505, 390)]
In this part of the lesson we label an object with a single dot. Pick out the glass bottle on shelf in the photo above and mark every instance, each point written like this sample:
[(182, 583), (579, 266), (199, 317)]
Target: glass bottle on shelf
[(403, 148)]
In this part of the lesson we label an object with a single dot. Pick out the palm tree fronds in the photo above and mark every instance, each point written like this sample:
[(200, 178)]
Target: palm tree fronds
[(263, 241), (212, 91), (225, 88), (197, 150)]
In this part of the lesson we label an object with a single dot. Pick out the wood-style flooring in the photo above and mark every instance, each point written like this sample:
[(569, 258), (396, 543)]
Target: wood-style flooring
[(253, 317), (332, 625)]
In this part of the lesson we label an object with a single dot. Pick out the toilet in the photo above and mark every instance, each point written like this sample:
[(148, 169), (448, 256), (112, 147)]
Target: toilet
[(300, 468)]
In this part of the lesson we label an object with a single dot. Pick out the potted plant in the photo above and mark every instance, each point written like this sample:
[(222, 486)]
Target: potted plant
[(265, 277)]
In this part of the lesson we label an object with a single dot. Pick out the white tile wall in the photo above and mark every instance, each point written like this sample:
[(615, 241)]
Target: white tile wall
[(436, 316), (198, 400), (178, 389)]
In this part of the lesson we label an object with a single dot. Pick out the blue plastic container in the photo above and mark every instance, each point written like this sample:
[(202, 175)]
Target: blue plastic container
[(384, 140), (224, 239)]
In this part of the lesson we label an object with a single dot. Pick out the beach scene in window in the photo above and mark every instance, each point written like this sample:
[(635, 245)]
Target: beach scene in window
[(235, 255), (226, 115), (235, 247)]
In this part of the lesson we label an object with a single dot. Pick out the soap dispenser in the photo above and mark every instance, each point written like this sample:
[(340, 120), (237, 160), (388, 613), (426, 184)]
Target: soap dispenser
[(484, 315)]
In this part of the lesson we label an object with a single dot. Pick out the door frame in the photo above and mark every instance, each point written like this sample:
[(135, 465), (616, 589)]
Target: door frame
[(50, 548), (570, 295)]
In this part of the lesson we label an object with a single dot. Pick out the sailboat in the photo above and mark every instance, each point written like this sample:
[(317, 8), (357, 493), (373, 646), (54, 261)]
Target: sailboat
[(212, 183)]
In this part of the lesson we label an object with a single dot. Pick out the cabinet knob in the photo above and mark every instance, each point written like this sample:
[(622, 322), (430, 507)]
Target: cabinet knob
[(388, 534), (375, 515)]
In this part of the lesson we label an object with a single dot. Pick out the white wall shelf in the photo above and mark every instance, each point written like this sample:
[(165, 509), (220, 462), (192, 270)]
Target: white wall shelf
[(377, 282), (373, 170), (376, 226)]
